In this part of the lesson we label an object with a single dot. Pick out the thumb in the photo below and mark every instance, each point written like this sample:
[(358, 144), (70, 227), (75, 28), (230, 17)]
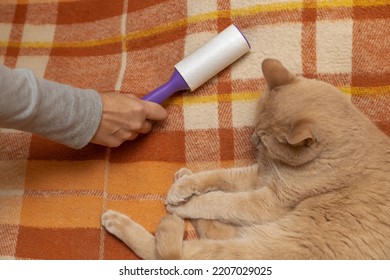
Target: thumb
[(155, 111)]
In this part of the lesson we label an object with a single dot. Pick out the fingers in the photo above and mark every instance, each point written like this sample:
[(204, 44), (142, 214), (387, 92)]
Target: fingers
[(155, 111), (145, 128), (125, 134), (124, 117), (138, 127)]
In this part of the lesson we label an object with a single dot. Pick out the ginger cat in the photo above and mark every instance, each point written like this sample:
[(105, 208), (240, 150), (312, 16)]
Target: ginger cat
[(320, 188)]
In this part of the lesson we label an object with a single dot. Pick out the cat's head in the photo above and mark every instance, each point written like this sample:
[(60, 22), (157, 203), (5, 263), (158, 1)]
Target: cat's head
[(297, 118)]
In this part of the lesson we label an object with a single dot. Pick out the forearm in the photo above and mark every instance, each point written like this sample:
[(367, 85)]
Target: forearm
[(56, 111), (242, 208), (229, 180)]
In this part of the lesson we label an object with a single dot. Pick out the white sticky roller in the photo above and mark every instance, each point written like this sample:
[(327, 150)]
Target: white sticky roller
[(203, 64), (213, 57)]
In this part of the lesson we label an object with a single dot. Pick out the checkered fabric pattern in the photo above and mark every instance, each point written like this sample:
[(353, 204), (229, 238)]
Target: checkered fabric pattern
[(52, 197)]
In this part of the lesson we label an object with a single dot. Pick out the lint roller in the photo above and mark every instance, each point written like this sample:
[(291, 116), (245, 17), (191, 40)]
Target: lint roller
[(203, 64)]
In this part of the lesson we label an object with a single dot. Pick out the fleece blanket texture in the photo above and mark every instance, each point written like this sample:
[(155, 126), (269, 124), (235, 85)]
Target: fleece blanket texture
[(52, 197)]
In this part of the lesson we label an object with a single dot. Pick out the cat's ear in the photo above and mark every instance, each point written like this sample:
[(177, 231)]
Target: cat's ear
[(301, 134), (275, 73)]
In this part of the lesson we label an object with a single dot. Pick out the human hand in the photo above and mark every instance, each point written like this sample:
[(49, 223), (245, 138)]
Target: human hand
[(124, 117)]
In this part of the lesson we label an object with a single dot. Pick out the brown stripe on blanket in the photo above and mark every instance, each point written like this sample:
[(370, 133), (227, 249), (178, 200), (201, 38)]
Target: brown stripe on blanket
[(157, 146), (135, 6), (18, 20), (87, 11), (309, 55), (55, 151), (58, 243), (371, 12)]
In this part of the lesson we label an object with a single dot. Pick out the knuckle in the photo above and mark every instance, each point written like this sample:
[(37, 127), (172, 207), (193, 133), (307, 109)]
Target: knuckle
[(137, 125), (139, 109), (133, 136), (115, 143)]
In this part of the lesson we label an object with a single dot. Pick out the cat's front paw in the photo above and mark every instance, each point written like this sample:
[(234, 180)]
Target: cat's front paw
[(183, 188), (181, 173), (190, 209)]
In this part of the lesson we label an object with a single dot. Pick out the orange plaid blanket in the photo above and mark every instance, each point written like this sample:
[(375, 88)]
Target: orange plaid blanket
[(52, 197)]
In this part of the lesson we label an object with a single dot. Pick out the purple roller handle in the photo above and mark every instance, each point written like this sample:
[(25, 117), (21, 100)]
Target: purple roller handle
[(160, 94)]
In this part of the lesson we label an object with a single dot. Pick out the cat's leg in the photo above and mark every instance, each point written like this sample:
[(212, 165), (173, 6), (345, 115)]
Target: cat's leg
[(188, 184), (240, 208), (212, 229), (169, 238), (270, 242), (136, 237), (230, 249), (168, 242)]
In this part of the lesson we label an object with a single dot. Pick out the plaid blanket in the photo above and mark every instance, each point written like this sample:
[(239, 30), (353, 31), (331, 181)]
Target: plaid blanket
[(52, 197)]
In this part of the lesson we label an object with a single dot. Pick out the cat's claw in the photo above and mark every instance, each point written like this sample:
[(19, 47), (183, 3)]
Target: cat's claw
[(172, 209), (182, 172), (183, 188), (178, 195), (184, 211)]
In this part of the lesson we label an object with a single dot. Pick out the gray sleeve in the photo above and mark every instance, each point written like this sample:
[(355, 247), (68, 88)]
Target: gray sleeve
[(55, 111)]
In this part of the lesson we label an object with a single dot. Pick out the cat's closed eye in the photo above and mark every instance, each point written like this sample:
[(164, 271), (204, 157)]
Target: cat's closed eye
[(258, 139), (255, 139)]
